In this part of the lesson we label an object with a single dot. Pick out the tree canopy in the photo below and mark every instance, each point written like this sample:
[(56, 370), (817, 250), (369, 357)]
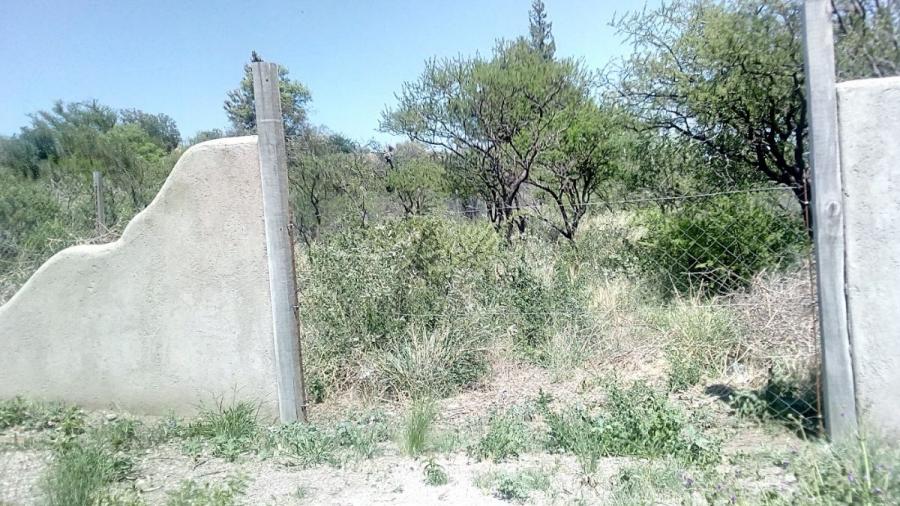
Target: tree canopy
[(241, 108), (497, 117)]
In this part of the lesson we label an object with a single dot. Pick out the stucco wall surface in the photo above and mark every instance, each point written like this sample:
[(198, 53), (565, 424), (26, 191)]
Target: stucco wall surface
[(171, 316), (869, 122)]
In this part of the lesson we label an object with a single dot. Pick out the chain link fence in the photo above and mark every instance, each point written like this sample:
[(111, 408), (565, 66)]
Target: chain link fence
[(712, 292), (708, 293), (741, 262)]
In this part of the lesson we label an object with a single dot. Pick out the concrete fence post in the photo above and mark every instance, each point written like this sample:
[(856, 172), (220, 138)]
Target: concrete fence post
[(838, 389), (101, 206), (279, 246)]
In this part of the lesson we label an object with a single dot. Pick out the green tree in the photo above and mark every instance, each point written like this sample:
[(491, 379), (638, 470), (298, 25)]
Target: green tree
[(587, 159), (160, 127), (540, 30), (132, 161), (494, 116), (727, 76), (206, 135), (69, 141), (19, 155), (241, 108), (332, 180), (415, 177), (868, 38)]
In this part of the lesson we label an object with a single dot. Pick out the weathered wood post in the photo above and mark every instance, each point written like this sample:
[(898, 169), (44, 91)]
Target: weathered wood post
[(101, 207), (279, 247), (838, 390)]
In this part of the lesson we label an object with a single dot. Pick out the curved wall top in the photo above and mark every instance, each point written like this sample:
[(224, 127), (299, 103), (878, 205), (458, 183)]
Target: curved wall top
[(173, 315)]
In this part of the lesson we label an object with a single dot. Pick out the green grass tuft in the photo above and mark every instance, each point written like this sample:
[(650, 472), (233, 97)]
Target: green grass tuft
[(231, 430), (415, 432), (517, 485), (80, 473)]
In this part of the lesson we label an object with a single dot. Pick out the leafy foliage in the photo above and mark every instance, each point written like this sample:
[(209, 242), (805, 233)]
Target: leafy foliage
[(717, 245), (416, 178), (507, 437), (191, 493), (868, 38), (727, 76), (435, 475), (241, 108), (636, 421)]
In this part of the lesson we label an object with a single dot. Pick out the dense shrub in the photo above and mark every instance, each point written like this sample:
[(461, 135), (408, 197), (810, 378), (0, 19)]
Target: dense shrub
[(717, 245), (394, 305), (545, 297), (407, 307), (29, 217)]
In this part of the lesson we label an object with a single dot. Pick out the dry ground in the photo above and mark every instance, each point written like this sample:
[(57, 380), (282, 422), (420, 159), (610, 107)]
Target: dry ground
[(750, 452)]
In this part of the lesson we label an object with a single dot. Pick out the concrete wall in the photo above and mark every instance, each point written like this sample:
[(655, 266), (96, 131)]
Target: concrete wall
[(869, 122), (173, 314)]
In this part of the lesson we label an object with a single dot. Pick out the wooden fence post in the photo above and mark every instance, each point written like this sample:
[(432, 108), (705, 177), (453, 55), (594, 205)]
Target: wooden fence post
[(838, 390), (101, 206), (279, 246)]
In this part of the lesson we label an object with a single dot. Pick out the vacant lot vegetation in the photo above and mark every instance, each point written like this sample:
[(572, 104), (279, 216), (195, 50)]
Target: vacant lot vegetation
[(603, 442), (566, 287), (416, 307)]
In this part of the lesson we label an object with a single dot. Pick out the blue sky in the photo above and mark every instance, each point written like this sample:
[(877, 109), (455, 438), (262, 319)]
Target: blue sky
[(180, 57)]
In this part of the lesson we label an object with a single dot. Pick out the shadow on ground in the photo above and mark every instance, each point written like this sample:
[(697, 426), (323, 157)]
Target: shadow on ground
[(793, 404)]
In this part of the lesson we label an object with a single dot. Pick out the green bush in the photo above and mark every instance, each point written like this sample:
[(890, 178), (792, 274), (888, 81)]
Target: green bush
[(408, 307), (544, 299), (435, 475), (29, 218), (400, 298), (635, 421), (507, 437), (64, 420), (717, 245), (362, 434), (310, 445), (516, 485)]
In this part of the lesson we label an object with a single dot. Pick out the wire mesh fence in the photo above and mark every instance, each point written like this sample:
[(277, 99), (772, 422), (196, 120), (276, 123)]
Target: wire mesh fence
[(711, 292), (715, 291)]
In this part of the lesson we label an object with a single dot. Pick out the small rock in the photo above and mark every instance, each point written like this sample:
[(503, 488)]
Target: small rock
[(111, 417)]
